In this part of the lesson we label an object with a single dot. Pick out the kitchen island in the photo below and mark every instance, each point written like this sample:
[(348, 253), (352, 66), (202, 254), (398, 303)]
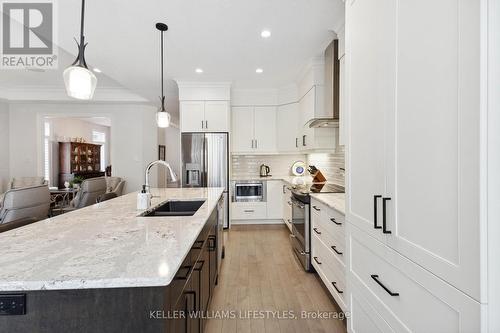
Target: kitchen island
[(105, 268)]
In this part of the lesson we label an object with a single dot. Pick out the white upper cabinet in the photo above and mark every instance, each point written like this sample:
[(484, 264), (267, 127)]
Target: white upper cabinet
[(254, 129), (217, 116), (414, 131), (311, 106), (204, 116), (242, 129), (192, 116), (287, 121), (204, 107), (265, 128)]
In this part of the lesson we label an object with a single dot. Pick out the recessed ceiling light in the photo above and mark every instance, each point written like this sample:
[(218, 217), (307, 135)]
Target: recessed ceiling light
[(259, 71), (198, 70), (97, 70), (265, 34)]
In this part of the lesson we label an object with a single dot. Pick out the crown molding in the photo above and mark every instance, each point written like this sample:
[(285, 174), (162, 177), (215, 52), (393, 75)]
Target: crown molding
[(58, 94)]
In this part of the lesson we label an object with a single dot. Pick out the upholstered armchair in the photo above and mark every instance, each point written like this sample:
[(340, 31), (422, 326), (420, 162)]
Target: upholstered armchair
[(115, 185), (90, 190), (21, 182), (26, 203)]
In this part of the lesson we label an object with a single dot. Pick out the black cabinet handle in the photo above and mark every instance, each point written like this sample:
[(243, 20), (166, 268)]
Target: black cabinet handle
[(334, 248), (316, 209), (335, 221), (375, 277), (192, 293), (249, 211), (184, 277), (202, 124), (200, 264), (375, 198), (384, 216), (296, 142), (212, 246), (316, 231), (336, 288), (198, 247), (317, 261), (284, 191), (304, 140)]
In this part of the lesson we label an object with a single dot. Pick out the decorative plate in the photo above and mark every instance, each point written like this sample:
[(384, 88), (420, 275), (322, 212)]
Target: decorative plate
[(299, 168)]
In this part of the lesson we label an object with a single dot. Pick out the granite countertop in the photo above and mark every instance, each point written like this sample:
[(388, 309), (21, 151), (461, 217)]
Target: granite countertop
[(103, 246), (332, 200)]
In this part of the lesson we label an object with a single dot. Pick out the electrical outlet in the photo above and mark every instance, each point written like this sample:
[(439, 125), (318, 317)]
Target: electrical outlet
[(12, 305)]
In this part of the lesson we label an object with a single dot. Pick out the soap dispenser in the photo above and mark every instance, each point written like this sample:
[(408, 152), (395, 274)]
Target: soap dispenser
[(143, 199)]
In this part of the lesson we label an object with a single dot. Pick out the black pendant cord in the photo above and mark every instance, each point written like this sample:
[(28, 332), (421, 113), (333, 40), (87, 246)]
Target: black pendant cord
[(80, 60), (162, 88), (162, 27)]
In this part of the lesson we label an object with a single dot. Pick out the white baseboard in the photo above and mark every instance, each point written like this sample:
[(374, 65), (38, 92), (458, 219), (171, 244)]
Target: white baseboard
[(236, 222)]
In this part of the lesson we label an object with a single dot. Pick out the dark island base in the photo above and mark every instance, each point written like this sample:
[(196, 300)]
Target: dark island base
[(91, 310), (173, 308)]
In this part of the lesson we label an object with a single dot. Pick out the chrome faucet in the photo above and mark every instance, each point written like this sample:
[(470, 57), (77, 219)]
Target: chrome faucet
[(173, 176)]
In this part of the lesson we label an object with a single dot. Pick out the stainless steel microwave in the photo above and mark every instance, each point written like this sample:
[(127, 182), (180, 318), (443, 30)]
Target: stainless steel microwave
[(249, 190)]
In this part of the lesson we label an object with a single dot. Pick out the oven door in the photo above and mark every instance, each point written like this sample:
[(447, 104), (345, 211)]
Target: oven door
[(300, 232), (249, 191)]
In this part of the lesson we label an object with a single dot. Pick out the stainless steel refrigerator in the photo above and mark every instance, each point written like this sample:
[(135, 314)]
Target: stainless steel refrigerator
[(205, 163)]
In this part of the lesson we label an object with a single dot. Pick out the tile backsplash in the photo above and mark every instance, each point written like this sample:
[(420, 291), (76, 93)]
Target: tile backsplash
[(330, 164), (249, 165)]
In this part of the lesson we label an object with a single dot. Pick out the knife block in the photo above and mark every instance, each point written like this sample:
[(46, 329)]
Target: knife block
[(318, 177)]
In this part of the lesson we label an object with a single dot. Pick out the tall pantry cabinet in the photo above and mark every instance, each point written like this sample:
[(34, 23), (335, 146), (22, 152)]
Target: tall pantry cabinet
[(413, 163)]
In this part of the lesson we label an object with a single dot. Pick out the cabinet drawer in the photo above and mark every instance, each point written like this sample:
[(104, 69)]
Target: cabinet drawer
[(330, 270), (329, 219), (364, 318), (395, 285), (335, 247), (249, 210)]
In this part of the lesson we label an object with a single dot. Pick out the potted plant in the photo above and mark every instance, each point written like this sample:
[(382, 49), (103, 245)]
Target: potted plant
[(76, 182)]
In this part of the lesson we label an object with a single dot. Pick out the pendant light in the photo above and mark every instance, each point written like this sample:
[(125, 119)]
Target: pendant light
[(162, 116), (80, 82)]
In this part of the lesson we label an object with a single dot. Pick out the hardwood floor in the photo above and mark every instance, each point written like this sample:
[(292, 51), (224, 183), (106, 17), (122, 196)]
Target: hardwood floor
[(260, 273)]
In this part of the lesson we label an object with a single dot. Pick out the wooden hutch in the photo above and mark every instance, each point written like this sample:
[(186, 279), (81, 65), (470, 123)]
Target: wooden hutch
[(79, 159)]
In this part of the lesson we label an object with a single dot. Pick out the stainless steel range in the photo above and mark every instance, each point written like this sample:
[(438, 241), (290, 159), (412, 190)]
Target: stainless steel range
[(301, 218)]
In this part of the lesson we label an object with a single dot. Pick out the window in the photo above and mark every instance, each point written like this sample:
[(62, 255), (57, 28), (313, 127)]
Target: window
[(100, 138), (46, 151)]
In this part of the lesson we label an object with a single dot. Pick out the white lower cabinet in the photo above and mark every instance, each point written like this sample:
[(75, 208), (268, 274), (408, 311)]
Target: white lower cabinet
[(327, 250), (274, 199), (248, 211), (287, 205), (406, 296), (365, 318), (270, 210)]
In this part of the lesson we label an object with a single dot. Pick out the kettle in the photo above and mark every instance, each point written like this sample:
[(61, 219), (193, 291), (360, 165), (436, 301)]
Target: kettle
[(264, 171)]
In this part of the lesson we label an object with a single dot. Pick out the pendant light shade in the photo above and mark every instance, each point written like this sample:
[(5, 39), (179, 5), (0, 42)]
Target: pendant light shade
[(80, 82), (162, 116), (163, 119)]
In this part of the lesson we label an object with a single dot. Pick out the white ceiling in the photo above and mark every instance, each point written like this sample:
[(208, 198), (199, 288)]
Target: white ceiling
[(220, 36)]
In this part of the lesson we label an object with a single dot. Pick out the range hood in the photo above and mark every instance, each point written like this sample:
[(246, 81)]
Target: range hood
[(332, 79)]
